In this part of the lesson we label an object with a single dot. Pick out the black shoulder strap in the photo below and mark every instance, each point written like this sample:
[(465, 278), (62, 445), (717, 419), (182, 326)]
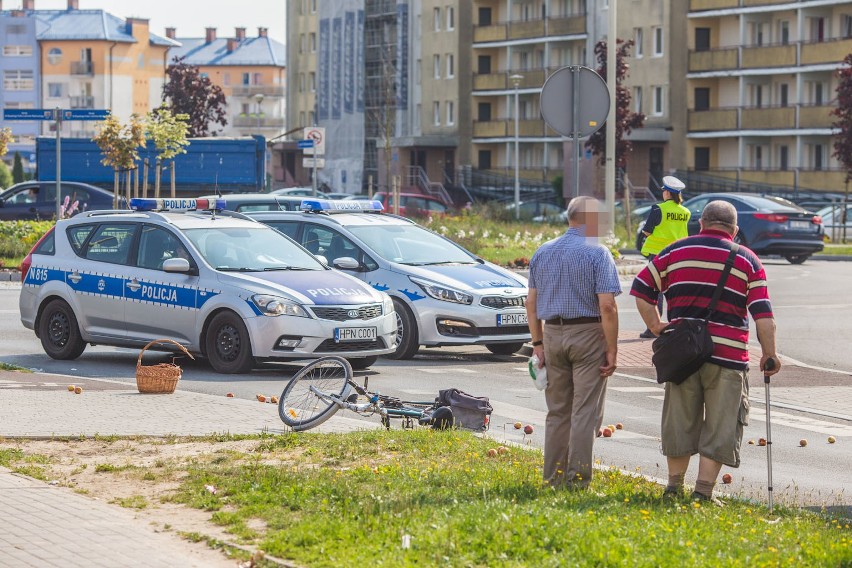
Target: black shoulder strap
[(717, 293)]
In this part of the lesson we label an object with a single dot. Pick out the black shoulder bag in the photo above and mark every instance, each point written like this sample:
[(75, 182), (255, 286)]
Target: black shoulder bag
[(685, 345)]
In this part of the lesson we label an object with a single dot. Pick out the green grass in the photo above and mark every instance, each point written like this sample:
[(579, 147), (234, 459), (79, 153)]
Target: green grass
[(11, 367), (837, 249), (348, 499), (132, 502)]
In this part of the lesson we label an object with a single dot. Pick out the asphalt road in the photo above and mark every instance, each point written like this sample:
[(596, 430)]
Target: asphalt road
[(814, 313)]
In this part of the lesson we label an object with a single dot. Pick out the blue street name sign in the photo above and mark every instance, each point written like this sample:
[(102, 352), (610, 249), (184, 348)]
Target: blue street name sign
[(27, 114), (305, 144), (85, 114)]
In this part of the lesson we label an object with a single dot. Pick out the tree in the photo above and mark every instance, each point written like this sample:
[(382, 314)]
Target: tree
[(18, 169), (119, 144), (625, 119), (5, 175), (843, 124), (168, 132), (5, 140), (187, 92)]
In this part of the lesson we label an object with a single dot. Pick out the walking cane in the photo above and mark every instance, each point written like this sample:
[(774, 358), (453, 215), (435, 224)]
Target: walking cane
[(770, 364)]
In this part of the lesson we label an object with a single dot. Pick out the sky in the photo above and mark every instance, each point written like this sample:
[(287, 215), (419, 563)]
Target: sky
[(190, 17)]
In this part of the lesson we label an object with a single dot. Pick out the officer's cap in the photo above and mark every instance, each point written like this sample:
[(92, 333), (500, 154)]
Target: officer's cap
[(671, 183)]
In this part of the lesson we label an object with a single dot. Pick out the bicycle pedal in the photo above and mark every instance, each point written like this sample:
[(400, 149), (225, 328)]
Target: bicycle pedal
[(353, 398)]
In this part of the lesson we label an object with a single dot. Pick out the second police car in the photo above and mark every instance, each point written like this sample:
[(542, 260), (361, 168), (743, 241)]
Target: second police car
[(219, 283), (443, 294)]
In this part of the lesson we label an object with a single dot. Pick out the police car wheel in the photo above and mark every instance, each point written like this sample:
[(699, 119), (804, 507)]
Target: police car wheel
[(504, 348), (406, 333), (227, 344), (361, 363), (59, 332)]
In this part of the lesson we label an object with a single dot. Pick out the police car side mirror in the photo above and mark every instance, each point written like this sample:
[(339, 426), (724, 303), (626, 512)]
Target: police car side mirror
[(322, 259), (346, 263), (176, 265)]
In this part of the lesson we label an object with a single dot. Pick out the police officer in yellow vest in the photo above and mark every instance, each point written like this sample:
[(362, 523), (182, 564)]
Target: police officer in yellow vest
[(666, 223)]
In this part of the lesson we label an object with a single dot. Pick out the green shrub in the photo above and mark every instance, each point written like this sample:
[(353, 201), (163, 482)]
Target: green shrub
[(18, 237)]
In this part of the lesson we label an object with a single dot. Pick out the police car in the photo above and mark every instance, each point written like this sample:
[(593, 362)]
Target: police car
[(442, 294), (223, 285)]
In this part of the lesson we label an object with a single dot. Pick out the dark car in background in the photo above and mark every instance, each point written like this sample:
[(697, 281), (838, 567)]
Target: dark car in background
[(32, 200), (412, 204), (248, 202), (768, 225)]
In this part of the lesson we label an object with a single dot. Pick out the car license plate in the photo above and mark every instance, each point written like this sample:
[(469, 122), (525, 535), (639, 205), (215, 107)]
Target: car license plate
[(511, 319), (800, 225), (354, 334)]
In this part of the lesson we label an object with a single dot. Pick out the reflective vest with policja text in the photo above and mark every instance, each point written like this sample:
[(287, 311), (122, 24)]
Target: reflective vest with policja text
[(672, 227)]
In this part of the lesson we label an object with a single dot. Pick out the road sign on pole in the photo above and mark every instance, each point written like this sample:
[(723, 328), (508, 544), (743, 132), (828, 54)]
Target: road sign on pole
[(317, 134), (305, 144), (85, 114), (27, 114)]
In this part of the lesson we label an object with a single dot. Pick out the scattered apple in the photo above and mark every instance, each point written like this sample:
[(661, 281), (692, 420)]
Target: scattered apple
[(260, 398), (492, 453), (831, 439), (502, 450), (71, 388), (611, 427), (274, 400), (78, 390), (619, 426), (761, 442), (727, 478), (803, 442), (528, 429), (751, 442), (230, 395), (607, 433), (518, 425)]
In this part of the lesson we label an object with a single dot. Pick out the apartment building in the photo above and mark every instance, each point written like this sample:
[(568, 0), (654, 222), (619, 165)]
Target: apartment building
[(76, 58), (760, 89), (251, 72)]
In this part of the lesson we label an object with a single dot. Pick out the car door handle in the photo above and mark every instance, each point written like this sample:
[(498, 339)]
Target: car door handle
[(75, 277), (134, 285)]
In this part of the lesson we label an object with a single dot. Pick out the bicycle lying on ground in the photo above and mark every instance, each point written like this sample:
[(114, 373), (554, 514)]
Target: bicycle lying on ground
[(324, 386)]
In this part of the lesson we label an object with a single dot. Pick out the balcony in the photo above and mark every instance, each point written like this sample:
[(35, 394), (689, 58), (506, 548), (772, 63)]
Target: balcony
[(526, 30), (566, 26), (827, 179), (490, 33), (719, 119), (252, 121), (532, 79), (83, 102), (769, 177), (713, 60), (252, 90), (699, 5), (768, 56), (768, 118), (831, 51), (747, 3), (82, 68), (506, 128), (560, 26), (815, 116), (490, 129)]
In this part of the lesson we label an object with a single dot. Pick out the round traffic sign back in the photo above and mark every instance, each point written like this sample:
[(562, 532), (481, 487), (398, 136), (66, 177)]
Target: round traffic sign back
[(557, 101)]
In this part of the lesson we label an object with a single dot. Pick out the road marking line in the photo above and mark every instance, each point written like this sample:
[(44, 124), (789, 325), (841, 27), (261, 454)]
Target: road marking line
[(635, 389), (635, 378), (432, 371), (803, 423), (658, 397)]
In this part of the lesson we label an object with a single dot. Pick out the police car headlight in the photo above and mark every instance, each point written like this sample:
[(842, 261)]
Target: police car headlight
[(275, 306), (443, 293), (387, 304)]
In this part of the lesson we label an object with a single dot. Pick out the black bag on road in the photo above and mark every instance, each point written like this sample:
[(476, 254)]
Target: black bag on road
[(470, 412)]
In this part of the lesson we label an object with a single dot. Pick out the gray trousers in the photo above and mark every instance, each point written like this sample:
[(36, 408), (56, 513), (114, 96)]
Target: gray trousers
[(575, 401)]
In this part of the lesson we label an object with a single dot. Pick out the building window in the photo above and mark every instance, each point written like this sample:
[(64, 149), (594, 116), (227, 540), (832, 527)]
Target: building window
[(484, 159), (659, 103), (13, 104), (301, 82), (245, 109), (702, 98), (818, 156), (702, 158), (313, 80), (756, 152), (437, 19), (54, 90), (658, 41), (637, 40), (16, 29), (18, 80), (313, 38), (784, 32), (637, 99), (140, 61), (302, 43), (302, 118), (783, 94), (451, 71), (246, 79), (311, 120), (436, 60), (783, 158), (817, 29), (846, 30), (418, 110), (483, 112), (451, 18), (54, 56), (451, 116), (313, 6), (17, 50), (257, 79), (702, 39), (436, 113), (418, 71)]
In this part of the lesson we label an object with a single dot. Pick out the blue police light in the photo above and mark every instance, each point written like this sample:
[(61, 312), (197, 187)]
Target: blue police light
[(340, 205), (176, 204)]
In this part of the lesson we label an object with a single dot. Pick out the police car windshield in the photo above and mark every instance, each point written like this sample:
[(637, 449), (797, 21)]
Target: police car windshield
[(410, 244), (250, 249)]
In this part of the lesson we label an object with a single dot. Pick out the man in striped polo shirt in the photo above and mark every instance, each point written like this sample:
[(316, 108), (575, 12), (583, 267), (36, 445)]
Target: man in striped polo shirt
[(572, 288), (706, 413)]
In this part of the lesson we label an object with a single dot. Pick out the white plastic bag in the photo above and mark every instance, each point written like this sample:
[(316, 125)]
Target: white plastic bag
[(538, 375)]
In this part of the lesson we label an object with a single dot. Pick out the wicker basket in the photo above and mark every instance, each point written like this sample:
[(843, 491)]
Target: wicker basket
[(161, 378)]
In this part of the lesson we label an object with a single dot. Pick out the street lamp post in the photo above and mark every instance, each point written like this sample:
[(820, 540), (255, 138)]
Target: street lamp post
[(258, 99), (516, 81)]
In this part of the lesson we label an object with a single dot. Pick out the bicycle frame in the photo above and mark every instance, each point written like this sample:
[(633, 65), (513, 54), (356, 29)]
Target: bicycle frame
[(376, 404)]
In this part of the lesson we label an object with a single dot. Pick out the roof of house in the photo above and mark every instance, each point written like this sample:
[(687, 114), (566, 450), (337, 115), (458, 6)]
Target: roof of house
[(250, 51), (86, 25)]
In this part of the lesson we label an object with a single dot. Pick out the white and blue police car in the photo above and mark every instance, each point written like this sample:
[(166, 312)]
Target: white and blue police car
[(443, 295), (221, 284)]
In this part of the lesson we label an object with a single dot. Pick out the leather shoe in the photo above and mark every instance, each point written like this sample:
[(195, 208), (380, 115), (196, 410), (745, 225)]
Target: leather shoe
[(647, 334)]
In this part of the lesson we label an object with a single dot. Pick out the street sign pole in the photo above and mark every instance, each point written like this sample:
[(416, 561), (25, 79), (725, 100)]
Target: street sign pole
[(57, 117), (315, 172), (575, 114)]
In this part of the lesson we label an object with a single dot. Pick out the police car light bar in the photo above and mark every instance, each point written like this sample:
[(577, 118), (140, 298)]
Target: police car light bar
[(340, 205), (166, 204)]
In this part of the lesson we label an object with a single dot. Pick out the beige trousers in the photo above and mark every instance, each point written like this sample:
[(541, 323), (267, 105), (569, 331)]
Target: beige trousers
[(575, 401)]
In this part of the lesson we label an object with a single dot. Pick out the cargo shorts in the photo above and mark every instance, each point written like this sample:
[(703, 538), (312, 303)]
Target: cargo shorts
[(705, 415)]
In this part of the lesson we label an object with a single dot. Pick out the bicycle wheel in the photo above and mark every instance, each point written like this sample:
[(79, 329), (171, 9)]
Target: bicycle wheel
[(302, 409)]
